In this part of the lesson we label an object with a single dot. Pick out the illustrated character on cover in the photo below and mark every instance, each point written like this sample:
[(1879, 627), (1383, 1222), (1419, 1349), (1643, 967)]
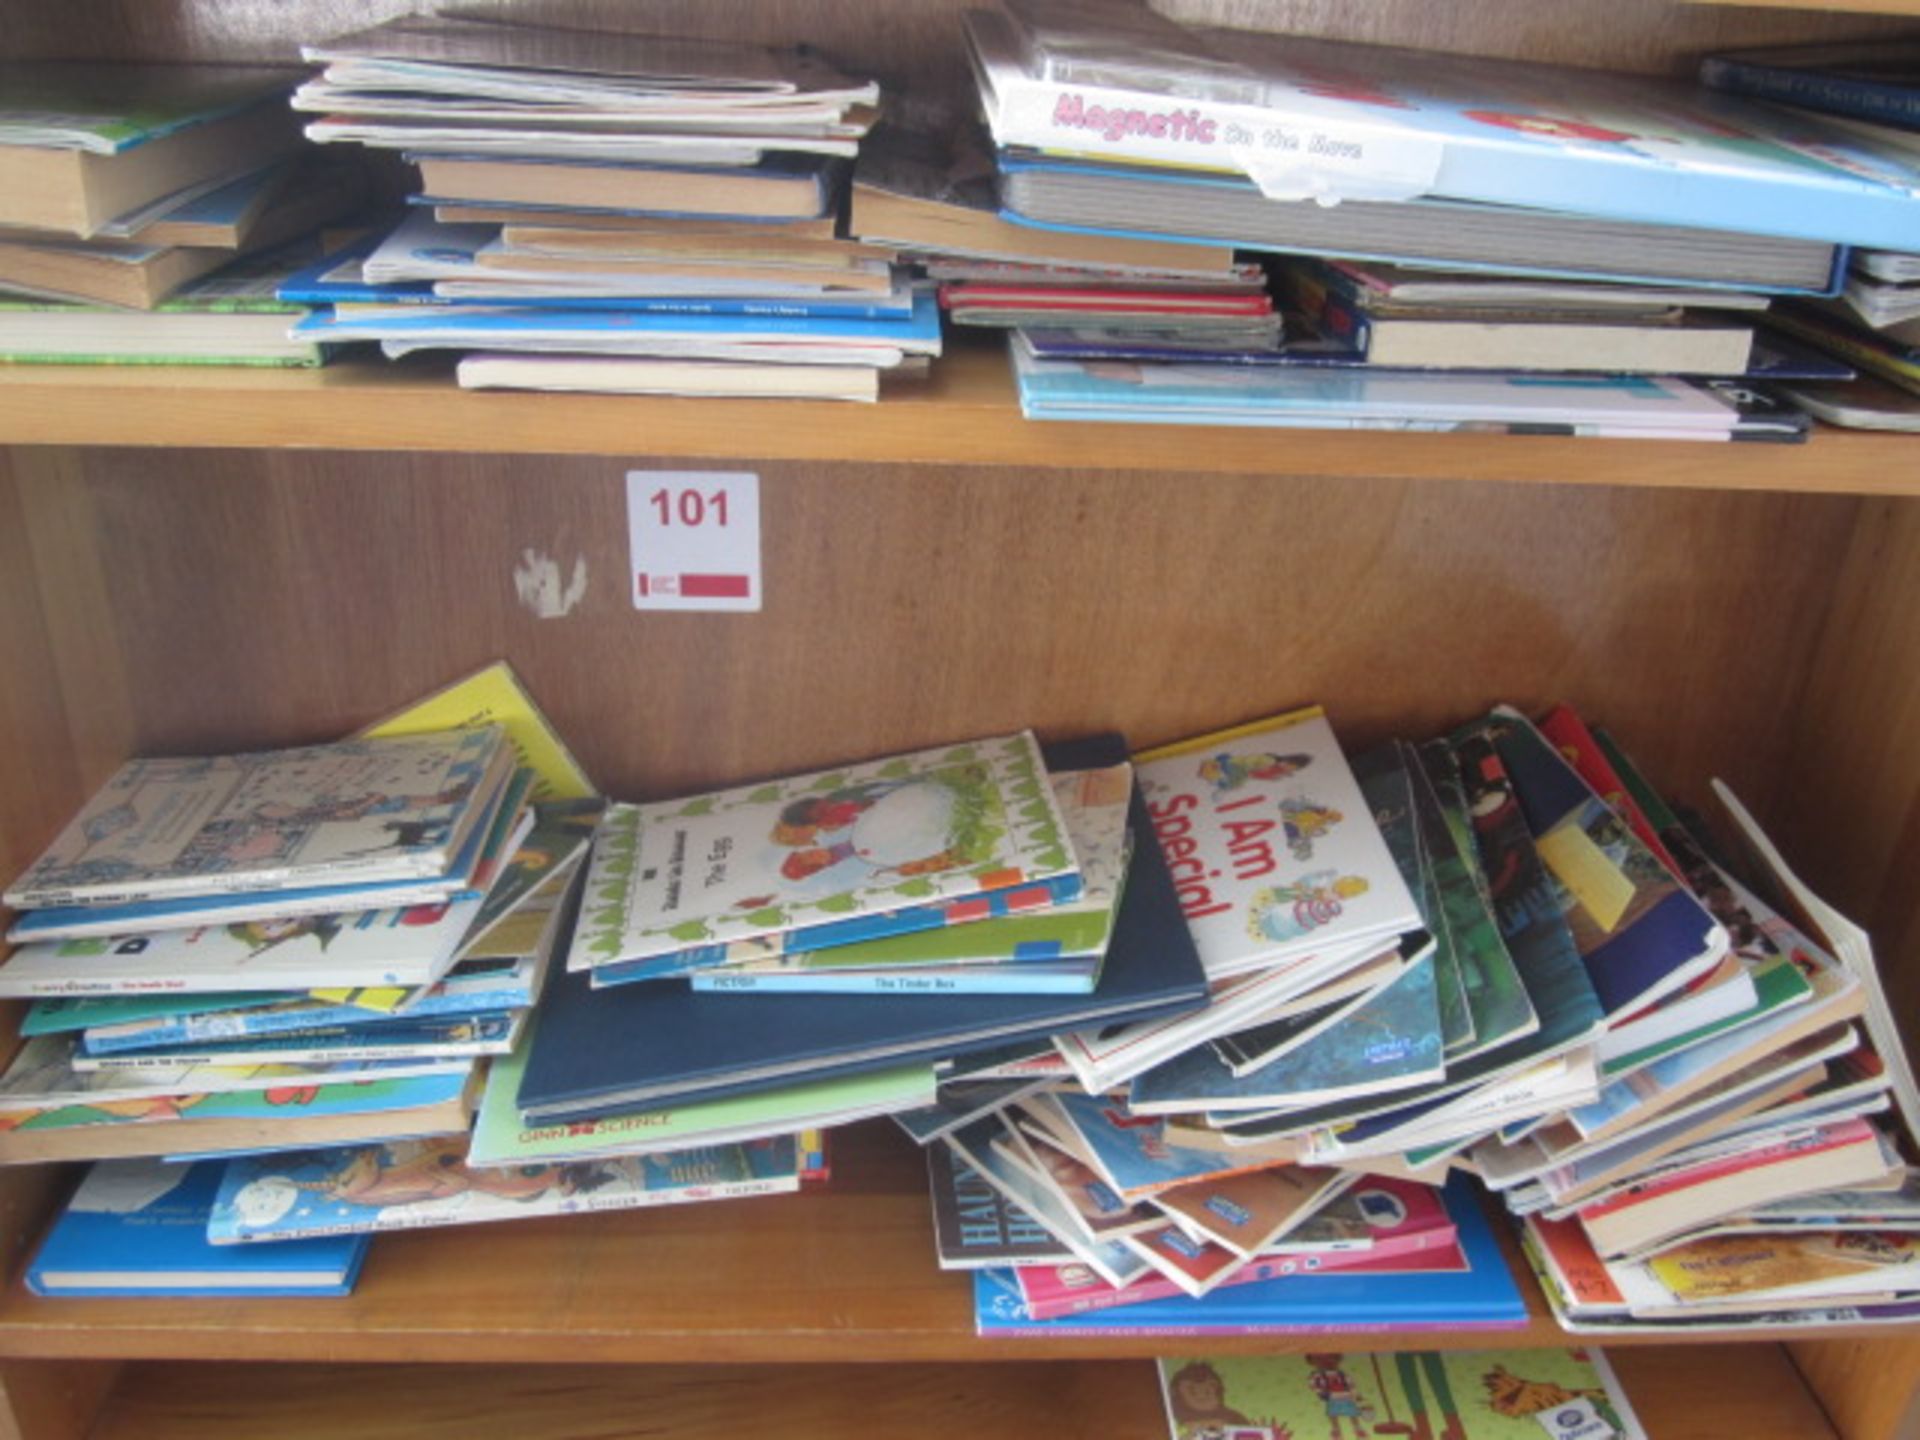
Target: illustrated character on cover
[(382, 1176), (1229, 772), (917, 826), (1513, 1397), (1198, 1398), (1411, 1366), (1306, 821), (1287, 912), (1334, 1388), (260, 936)]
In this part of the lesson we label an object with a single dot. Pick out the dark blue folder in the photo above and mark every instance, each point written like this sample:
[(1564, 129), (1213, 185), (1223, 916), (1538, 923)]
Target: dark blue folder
[(633, 1047)]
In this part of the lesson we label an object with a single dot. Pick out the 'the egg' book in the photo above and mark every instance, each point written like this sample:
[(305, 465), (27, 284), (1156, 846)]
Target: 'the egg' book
[(644, 1046), (760, 859)]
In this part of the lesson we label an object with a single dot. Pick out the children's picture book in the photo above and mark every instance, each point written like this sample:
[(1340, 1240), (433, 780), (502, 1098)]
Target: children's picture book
[(1480, 1296), (1459, 1394), (297, 1114), (1877, 80), (501, 1138), (406, 1039), (758, 859), (327, 814), (495, 696), (139, 1227), (43, 1080), (1272, 846), (415, 946), (1246, 1213), (1640, 932), (415, 1184), (974, 1225), (104, 109)]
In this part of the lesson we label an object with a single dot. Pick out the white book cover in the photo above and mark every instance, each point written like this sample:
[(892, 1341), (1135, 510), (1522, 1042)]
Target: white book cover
[(308, 952), (356, 810), (863, 839), (1273, 849)]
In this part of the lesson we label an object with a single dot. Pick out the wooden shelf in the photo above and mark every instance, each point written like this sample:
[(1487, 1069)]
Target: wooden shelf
[(966, 414), (820, 1277), (1114, 1400)]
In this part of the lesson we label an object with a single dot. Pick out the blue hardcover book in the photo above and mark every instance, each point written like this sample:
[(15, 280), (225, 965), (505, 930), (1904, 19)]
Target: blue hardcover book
[(1189, 208), (1877, 80), (1641, 934), (855, 930), (1483, 1297), (336, 279), (139, 1227), (1391, 125), (637, 1047)]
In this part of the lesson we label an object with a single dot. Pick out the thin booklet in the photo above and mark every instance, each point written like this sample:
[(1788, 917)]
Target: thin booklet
[(356, 810), (864, 839)]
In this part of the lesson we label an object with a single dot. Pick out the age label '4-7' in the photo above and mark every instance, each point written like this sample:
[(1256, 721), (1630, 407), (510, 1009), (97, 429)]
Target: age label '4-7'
[(696, 539)]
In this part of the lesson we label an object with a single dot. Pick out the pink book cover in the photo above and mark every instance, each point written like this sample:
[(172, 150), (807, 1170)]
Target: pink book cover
[(1051, 1291), (1412, 1232)]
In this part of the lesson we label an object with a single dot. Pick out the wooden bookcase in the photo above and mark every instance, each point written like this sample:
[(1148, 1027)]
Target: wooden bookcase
[(200, 559)]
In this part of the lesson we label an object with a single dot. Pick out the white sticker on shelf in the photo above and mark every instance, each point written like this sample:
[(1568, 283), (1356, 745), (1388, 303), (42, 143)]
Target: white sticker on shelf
[(695, 538)]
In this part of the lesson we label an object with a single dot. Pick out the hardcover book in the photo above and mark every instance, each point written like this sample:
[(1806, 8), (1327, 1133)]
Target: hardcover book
[(356, 810), (139, 1227), (759, 859)]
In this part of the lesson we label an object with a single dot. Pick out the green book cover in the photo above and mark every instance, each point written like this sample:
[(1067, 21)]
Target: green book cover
[(1518, 1394), (499, 1137), (106, 108)]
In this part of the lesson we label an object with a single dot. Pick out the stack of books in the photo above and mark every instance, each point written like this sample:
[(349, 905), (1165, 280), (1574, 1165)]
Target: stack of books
[(1480, 259), (614, 212), (268, 987), (129, 192), (1495, 953), (927, 849)]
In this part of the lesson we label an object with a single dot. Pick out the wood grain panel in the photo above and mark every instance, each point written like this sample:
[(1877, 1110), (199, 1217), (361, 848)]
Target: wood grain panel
[(965, 414), (280, 598), (911, 45), (1082, 1401), (1851, 795), (53, 1399), (1867, 1390)]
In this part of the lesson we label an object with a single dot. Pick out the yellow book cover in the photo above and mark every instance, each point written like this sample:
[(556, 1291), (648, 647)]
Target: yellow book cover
[(494, 696)]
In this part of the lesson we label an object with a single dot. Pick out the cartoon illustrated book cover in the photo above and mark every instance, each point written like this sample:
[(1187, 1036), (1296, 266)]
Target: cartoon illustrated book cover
[(1458, 1395), (495, 696), (139, 1227), (759, 859), (1272, 846), (416, 1184), (674, 1044), (415, 946), (354, 810), (1640, 932)]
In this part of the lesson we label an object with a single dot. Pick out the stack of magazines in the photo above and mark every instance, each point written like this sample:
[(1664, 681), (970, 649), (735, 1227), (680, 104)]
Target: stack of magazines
[(613, 212)]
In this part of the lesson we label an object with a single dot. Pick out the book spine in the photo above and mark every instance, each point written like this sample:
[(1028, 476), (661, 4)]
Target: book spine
[(1038, 1329), (1897, 105)]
